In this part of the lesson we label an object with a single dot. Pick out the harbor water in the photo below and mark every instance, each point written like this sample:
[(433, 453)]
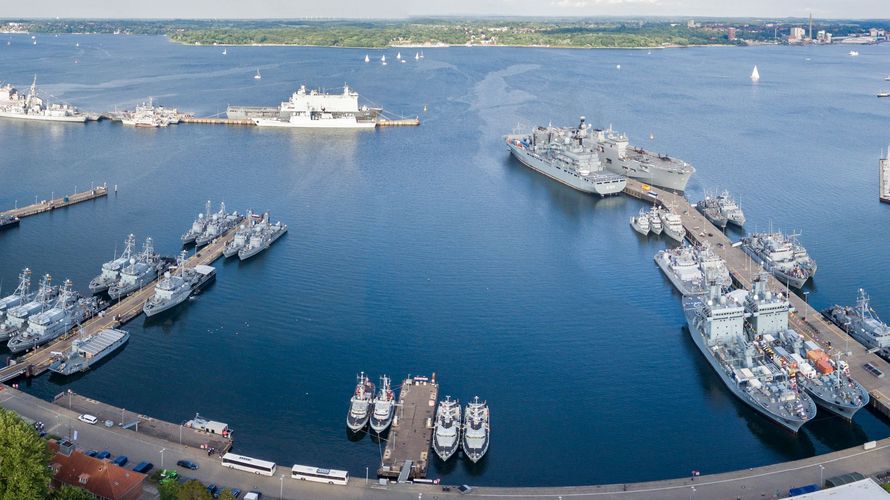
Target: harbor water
[(428, 249)]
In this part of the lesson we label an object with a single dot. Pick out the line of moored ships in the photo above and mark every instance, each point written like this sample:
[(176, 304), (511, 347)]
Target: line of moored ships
[(377, 409)]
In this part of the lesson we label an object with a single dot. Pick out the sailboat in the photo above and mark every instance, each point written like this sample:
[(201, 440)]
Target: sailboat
[(367, 59), (257, 76), (417, 56), (854, 53), (755, 75), (398, 55), (383, 59), (225, 51)]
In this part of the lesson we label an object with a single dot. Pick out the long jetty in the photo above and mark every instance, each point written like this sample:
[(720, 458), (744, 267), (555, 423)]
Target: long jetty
[(37, 361), (62, 202), (407, 450), (805, 320)]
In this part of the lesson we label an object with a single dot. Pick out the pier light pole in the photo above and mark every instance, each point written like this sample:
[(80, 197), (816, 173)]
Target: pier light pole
[(162, 456), (122, 417), (366, 475), (281, 491), (180, 433), (806, 300), (692, 493), (821, 472)]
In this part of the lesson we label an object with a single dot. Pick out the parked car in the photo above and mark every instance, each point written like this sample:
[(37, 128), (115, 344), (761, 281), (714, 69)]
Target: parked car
[(253, 495), (143, 467), (187, 464), (169, 474), (120, 461), (235, 492), (102, 455), (213, 490), (92, 453), (88, 419)]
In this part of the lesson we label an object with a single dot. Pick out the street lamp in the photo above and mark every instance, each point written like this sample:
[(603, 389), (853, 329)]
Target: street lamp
[(180, 433), (366, 475), (162, 456), (692, 492), (806, 300), (821, 472), (281, 492)]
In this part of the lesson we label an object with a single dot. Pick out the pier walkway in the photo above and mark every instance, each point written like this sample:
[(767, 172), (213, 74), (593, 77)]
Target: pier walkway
[(64, 201), (37, 361), (805, 319), (412, 430)]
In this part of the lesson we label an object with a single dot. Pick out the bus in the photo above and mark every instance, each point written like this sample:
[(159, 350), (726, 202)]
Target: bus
[(329, 476), (248, 464)]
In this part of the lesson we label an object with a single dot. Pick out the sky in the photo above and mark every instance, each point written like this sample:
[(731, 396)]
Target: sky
[(292, 9)]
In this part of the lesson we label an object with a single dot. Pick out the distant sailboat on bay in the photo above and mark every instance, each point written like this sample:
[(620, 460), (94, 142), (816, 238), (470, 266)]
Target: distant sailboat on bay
[(417, 56), (257, 76), (225, 51), (367, 59), (383, 59), (755, 75)]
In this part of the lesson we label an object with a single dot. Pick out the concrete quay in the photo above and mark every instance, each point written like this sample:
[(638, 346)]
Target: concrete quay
[(64, 201), (407, 450), (805, 319)]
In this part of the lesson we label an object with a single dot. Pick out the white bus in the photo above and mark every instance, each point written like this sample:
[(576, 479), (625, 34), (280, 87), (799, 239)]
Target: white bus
[(329, 476), (248, 464)]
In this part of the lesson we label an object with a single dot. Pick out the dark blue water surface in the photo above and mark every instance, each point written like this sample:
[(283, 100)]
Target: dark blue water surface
[(419, 250)]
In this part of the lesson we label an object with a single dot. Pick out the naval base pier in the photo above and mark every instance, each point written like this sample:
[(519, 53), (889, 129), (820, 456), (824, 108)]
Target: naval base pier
[(53, 204), (884, 178), (407, 450)]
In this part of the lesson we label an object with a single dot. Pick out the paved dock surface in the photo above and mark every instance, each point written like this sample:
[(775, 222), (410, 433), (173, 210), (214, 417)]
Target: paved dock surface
[(37, 361), (805, 320), (412, 429), (54, 204)]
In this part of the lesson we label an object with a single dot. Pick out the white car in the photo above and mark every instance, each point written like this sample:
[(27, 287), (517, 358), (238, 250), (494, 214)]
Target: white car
[(88, 419)]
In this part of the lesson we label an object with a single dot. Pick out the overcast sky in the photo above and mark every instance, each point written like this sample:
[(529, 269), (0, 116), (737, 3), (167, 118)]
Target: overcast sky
[(405, 8)]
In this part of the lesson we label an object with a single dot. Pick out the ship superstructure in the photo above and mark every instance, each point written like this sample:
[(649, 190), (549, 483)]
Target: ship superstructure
[(318, 109), (111, 270), (863, 324), (17, 317), (446, 436), (652, 168), (781, 255)]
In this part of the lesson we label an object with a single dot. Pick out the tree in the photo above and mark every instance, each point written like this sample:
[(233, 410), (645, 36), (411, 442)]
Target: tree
[(169, 490), (71, 493), (194, 490), (24, 460), (226, 495)]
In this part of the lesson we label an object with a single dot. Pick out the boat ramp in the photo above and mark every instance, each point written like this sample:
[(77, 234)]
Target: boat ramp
[(407, 450)]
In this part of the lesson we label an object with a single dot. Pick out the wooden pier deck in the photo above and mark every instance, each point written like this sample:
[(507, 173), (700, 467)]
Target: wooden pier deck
[(37, 361), (805, 319), (62, 202), (218, 121), (411, 431)]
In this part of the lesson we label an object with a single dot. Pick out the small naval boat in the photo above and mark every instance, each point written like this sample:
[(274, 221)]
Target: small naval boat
[(652, 168), (177, 286), (673, 225), (446, 437), (8, 221), (21, 295), (69, 310), (383, 407), (263, 236), (142, 270), (782, 256), (682, 268), (88, 351), (863, 324), (729, 209), (198, 226), (655, 224), (360, 404), (476, 430), (567, 155), (147, 115), (242, 236), (640, 223), (711, 210), (717, 326), (111, 270), (713, 268), (827, 381), (17, 317), (33, 107), (219, 223)]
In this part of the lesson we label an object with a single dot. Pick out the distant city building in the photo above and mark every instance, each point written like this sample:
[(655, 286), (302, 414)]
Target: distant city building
[(730, 33), (823, 36), (691, 23), (873, 32), (797, 34)]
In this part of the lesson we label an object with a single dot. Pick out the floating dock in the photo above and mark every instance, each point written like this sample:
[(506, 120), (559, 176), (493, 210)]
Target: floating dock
[(884, 178), (64, 201), (805, 320), (407, 450), (401, 122), (37, 361)]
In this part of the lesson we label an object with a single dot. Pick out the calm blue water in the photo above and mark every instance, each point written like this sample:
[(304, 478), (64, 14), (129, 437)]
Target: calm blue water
[(427, 249)]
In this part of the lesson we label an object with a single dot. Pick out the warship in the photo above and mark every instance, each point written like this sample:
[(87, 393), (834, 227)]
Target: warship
[(360, 404), (177, 286), (782, 256), (716, 325), (640, 223), (673, 225), (655, 224), (827, 381), (317, 109), (147, 115), (69, 310), (729, 209), (713, 268), (476, 430), (567, 155), (111, 270), (17, 317), (8, 221), (88, 351), (383, 407), (711, 210), (681, 267), (446, 437), (142, 270), (651, 168), (242, 236), (198, 226), (262, 238), (33, 107), (219, 223), (863, 324), (21, 295)]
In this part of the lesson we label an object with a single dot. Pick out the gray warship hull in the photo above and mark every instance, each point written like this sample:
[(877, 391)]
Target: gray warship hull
[(790, 280), (686, 288), (196, 284), (599, 183), (96, 349), (839, 408)]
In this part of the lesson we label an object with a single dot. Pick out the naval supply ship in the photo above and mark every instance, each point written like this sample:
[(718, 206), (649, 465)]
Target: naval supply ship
[(567, 155), (17, 317), (716, 325), (827, 381), (681, 267), (637, 163), (360, 404), (476, 430), (384, 407), (33, 107), (111, 270), (262, 238), (863, 324), (142, 270), (21, 295), (781, 255), (177, 286), (446, 437), (88, 351), (69, 310), (198, 227), (318, 109)]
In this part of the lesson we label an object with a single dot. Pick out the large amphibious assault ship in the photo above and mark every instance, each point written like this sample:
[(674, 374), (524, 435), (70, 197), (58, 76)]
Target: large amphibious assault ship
[(17, 317), (111, 270), (716, 325), (637, 163), (568, 155), (827, 381), (88, 351), (33, 107), (360, 404), (476, 430), (863, 324), (446, 438), (314, 109), (781, 255)]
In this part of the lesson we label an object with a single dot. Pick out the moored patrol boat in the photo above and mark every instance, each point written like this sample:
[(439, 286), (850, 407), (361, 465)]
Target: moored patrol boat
[(446, 437), (682, 269), (198, 227), (177, 286), (142, 270), (476, 430), (640, 223), (782, 256), (262, 237), (863, 324), (383, 407), (17, 317), (21, 295), (111, 270), (360, 404)]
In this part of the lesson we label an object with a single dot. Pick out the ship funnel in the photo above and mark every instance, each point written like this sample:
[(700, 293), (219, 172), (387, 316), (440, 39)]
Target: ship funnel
[(581, 125)]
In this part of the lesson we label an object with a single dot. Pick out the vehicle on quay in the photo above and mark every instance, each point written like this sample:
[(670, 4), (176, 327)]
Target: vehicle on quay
[(567, 155), (652, 168), (446, 436), (476, 430), (383, 407), (782, 255), (88, 419), (319, 475), (360, 404), (863, 324), (186, 464), (88, 351), (111, 270), (247, 464)]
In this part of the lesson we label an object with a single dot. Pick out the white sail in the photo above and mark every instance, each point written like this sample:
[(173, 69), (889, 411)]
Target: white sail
[(755, 75), (367, 59)]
